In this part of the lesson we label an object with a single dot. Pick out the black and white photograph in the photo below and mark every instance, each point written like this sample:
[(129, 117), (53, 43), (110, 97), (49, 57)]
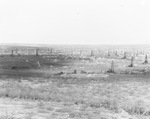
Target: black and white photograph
[(74, 59)]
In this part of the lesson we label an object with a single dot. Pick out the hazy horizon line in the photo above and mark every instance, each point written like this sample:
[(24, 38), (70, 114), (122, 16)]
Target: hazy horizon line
[(38, 44)]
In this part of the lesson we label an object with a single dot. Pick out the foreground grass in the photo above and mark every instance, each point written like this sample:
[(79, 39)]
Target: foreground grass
[(112, 96)]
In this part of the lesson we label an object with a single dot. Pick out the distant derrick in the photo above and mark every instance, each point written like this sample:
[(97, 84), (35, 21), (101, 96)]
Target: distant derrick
[(146, 59), (111, 70), (112, 66), (80, 52), (92, 53), (12, 52), (72, 52), (75, 71), (116, 53), (51, 50), (132, 59), (125, 55), (108, 54), (36, 52)]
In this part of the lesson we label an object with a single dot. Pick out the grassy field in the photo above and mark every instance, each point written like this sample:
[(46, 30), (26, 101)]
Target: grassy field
[(63, 87)]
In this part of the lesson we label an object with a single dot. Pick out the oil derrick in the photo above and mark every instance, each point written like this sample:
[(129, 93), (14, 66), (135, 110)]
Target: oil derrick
[(80, 52), (75, 71), (134, 55), (51, 50), (111, 70), (116, 53), (92, 53), (132, 59), (99, 53), (2, 52), (12, 52), (72, 52), (124, 55), (146, 59), (18, 53), (112, 66), (108, 54), (37, 52)]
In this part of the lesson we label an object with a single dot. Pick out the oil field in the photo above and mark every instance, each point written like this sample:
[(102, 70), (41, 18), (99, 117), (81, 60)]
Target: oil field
[(74, 82)]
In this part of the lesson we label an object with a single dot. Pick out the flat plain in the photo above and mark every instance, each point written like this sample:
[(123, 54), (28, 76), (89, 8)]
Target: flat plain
[(74, 82)]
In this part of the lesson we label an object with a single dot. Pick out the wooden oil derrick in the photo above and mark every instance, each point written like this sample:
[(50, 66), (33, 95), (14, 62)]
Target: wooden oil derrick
[(132, 59), (125, 55), (72, 52), (92, 53), (18, 53), (146, 59), (100, 53), (108, 54), (134, 55), (12, 52), (112, 66), (111, 70), (51, 50), (37, 52), (75, 71), (116, 53), (2, 53), (80, 52)]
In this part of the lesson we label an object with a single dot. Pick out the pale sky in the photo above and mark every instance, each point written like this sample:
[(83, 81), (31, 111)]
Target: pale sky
[(75, 21)]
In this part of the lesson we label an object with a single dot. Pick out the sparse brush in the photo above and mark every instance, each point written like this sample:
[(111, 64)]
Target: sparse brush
[(95, 96), (105, 102), (137, 108), (41, 104)]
